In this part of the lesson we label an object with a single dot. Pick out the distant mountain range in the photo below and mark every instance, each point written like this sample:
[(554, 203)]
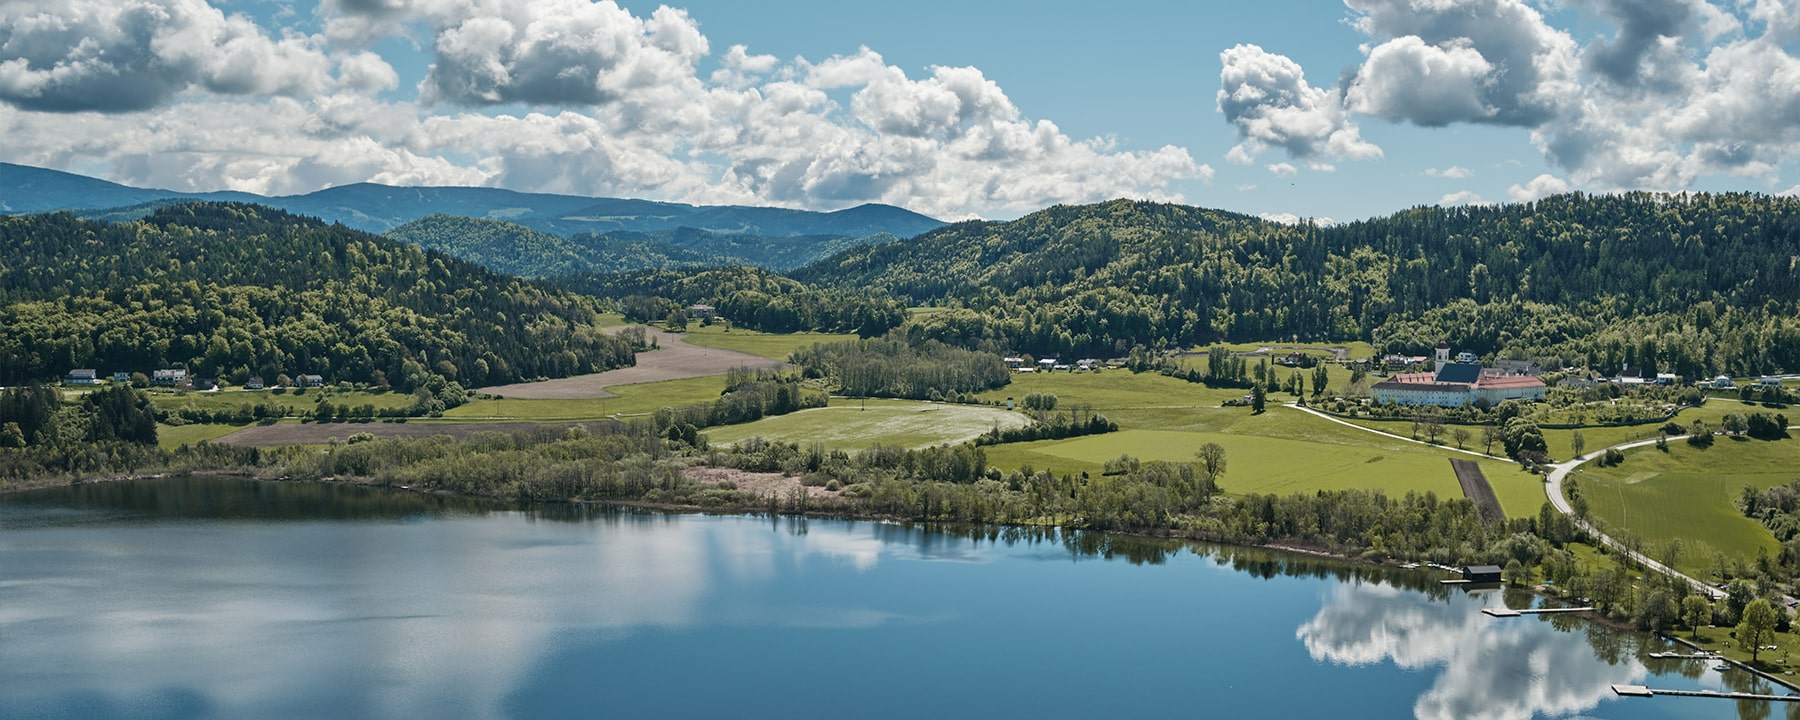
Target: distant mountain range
[(380, 208)]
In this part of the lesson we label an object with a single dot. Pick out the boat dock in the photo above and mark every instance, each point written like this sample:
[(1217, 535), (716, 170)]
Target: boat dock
[(1686, 656), (1503, 612), (1641, 691)]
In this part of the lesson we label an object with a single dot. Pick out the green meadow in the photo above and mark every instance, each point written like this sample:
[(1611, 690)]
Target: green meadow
[(1690, 493), (854, 425), (638, 399), (774, 347), (170, 437)]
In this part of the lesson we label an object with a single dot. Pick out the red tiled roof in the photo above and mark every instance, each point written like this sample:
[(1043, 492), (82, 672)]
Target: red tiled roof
[(1500, 382)]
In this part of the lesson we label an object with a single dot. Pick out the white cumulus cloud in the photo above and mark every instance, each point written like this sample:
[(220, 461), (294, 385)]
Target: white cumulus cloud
[(570, 96), (126, 55), (1542, 186), (1267, 97)]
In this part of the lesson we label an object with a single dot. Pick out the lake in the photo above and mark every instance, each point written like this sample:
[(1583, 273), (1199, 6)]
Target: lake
[(226, 598)]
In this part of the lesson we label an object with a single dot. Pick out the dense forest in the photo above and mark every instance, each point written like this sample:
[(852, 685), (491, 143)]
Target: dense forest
[(518, 250), (1693, 283), (230, 291), (893, 367), (750, 298)]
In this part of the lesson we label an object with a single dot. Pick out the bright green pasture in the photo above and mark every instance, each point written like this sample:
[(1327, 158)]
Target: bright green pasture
[(637, 399), (1561, 442), (170, 437), (1689, 493), (849, 425), (1130, 399), (774, 347), (1284, 452), (1358, 349)]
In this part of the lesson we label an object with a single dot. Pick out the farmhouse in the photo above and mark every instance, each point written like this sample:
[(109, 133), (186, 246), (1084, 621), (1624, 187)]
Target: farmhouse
[(81, 377), (169, 378), (254, 383), (1456, 384), (310, 380), (121, 377)]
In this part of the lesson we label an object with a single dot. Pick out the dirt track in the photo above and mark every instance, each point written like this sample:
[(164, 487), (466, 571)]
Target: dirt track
[(320, 433), (674, 360)]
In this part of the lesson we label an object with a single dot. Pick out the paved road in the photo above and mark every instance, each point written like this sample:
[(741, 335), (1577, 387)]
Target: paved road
[(1554, 488)]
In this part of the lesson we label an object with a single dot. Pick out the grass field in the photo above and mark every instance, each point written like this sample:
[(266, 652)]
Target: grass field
[(1283, 451), (642, 398), (1561, 442), (774, 347), (1689, 493), (849, 425), (170, 437)]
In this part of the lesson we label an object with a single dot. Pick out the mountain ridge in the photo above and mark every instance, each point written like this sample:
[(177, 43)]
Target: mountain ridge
[(375, 207)]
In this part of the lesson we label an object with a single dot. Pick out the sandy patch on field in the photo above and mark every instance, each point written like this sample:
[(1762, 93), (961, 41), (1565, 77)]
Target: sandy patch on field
[(321, 433), (673, 360), (758, 483)]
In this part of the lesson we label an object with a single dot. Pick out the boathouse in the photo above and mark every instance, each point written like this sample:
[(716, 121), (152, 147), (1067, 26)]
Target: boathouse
[(1482, 573)]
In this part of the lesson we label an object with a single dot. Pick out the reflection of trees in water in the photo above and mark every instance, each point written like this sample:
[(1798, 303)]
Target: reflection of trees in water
[(225, 498), (1514, 669), (1744, 682)]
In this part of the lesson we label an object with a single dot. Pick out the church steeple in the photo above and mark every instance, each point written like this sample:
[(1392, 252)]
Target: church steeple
[(1443, 352)]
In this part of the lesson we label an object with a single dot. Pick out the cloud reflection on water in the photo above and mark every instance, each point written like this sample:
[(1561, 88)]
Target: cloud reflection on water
[(389, 619), (1492, 669)]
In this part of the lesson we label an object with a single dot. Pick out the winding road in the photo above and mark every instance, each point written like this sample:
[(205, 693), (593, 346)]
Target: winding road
[(1553, 487)]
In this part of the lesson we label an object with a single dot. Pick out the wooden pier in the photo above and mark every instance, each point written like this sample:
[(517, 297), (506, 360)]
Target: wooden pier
[(1505, 612), (1641, 691)]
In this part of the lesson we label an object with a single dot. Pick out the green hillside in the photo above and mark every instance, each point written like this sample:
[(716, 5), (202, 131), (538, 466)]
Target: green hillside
[(1693, 284), (231, 290), (518, 250)]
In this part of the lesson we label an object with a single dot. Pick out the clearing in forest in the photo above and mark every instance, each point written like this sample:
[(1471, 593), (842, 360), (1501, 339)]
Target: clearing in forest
[(674, 359)]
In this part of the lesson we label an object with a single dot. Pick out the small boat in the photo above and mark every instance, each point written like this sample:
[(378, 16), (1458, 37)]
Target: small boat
[(1721, 667)]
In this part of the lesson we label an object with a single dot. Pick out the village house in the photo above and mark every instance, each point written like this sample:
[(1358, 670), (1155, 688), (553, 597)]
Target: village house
[(310, 380), (121, 377), (1517, 367), (254, 383), (82, 377), (168, 378)]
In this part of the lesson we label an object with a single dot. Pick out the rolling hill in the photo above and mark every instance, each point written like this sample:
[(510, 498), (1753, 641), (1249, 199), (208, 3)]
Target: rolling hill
[(231, 290), (378, 208), (1695, 284)]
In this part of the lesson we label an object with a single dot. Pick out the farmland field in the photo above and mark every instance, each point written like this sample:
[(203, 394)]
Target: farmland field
[(848, 425), (1689, 493), (773, 347)]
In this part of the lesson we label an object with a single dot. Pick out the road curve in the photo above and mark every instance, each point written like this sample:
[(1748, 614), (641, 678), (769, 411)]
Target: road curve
[(1553, 487)]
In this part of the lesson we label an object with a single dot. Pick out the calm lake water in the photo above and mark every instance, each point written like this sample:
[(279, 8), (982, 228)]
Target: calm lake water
[(202, 598)]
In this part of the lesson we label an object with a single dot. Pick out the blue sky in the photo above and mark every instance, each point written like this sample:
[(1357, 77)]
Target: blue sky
[(1337, 110)]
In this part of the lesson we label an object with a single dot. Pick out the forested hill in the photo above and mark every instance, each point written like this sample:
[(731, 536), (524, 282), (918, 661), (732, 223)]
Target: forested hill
[(232, 290), (518, 250), (1693, 283)]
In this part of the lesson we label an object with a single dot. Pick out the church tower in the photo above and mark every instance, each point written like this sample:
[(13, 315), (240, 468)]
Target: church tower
[(1443, 353)]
